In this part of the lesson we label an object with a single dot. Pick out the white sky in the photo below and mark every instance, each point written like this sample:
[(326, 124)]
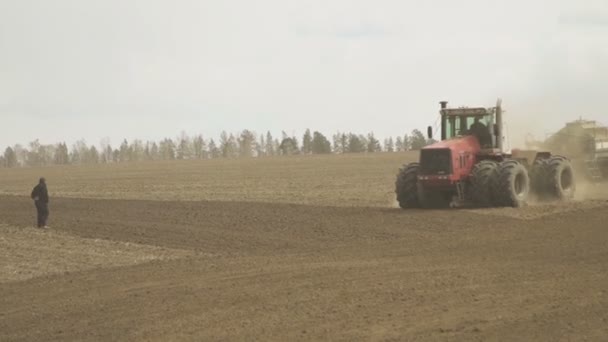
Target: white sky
[(150, 69)]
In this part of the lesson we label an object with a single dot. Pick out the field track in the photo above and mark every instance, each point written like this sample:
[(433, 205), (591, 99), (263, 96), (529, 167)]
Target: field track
[(211, 270)]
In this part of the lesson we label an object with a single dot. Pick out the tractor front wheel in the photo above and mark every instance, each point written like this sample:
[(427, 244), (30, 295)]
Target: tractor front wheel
[(406, 186), (482, 178)]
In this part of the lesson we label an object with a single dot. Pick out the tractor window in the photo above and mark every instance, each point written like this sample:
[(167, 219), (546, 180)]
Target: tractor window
[(461, 125), (458, 122), (482, 130), (486, 120), (452, 124), (470, 121), (449, 127)]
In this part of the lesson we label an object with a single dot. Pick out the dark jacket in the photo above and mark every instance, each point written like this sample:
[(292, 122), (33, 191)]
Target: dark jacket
[(482, 133), (41, 192)]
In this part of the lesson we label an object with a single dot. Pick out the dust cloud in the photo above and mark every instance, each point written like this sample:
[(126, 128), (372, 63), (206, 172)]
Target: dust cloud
[(586, 190), (562, 85), (535, 120)]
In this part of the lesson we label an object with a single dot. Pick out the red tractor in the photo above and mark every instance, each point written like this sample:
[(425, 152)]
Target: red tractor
[(469, 167)]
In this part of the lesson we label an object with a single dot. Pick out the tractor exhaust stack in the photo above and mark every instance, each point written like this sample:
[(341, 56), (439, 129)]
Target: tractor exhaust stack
[(498, 131)]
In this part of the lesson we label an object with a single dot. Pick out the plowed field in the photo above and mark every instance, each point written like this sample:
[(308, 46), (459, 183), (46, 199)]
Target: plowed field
[(254, 260)]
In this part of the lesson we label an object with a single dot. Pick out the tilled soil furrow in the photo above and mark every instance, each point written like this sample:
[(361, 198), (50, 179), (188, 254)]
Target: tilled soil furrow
[(290, 272)]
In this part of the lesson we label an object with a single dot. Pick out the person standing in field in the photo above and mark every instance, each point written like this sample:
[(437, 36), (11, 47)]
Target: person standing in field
[(40, 195)]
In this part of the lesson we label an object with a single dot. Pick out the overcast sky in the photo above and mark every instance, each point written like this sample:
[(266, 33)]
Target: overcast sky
[(150, 69)]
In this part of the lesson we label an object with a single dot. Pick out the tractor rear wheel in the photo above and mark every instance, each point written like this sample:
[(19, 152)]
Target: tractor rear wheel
[(512, 184), (539, 174), (482, 178), (406, 186), (561, 184)]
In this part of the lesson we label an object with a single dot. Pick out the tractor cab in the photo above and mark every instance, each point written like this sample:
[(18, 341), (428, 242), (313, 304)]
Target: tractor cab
[(482, 123)]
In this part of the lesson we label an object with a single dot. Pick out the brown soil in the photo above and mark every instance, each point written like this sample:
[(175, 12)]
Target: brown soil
[(256, 271), (365, 180)]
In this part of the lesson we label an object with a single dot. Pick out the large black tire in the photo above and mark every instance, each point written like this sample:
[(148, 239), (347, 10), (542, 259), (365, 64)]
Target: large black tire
[(512, 184), (539, 177), (482, 178), (406, 186), (561, 183)]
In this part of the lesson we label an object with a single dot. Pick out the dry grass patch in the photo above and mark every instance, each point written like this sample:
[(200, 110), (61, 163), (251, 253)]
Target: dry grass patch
[(28, 253)]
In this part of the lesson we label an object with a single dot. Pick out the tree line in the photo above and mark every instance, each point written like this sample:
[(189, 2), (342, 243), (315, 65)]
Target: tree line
[(245, 144)]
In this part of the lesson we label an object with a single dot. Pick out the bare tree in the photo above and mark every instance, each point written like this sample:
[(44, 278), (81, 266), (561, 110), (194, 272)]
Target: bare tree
[(125, 152), (246, 143), (154, 151), (373, 144), (320, 144), (62, 156), (214, 151), (270, 145), (407, 143), (167, 149), (261, 146), (199, 147), (184, 148), (228, 145), (105, 150), (80, 152), (136, 150), (399, 144), (307, 142), (356, 144), (389, 145), (93, 157), (10, 157), (418, 140)]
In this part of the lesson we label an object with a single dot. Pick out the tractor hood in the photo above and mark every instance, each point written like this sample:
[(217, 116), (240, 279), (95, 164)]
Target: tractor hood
[(451, 160), (467, 143)]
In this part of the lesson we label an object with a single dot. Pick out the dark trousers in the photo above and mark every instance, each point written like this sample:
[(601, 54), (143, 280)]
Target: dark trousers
[(43, 213)]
